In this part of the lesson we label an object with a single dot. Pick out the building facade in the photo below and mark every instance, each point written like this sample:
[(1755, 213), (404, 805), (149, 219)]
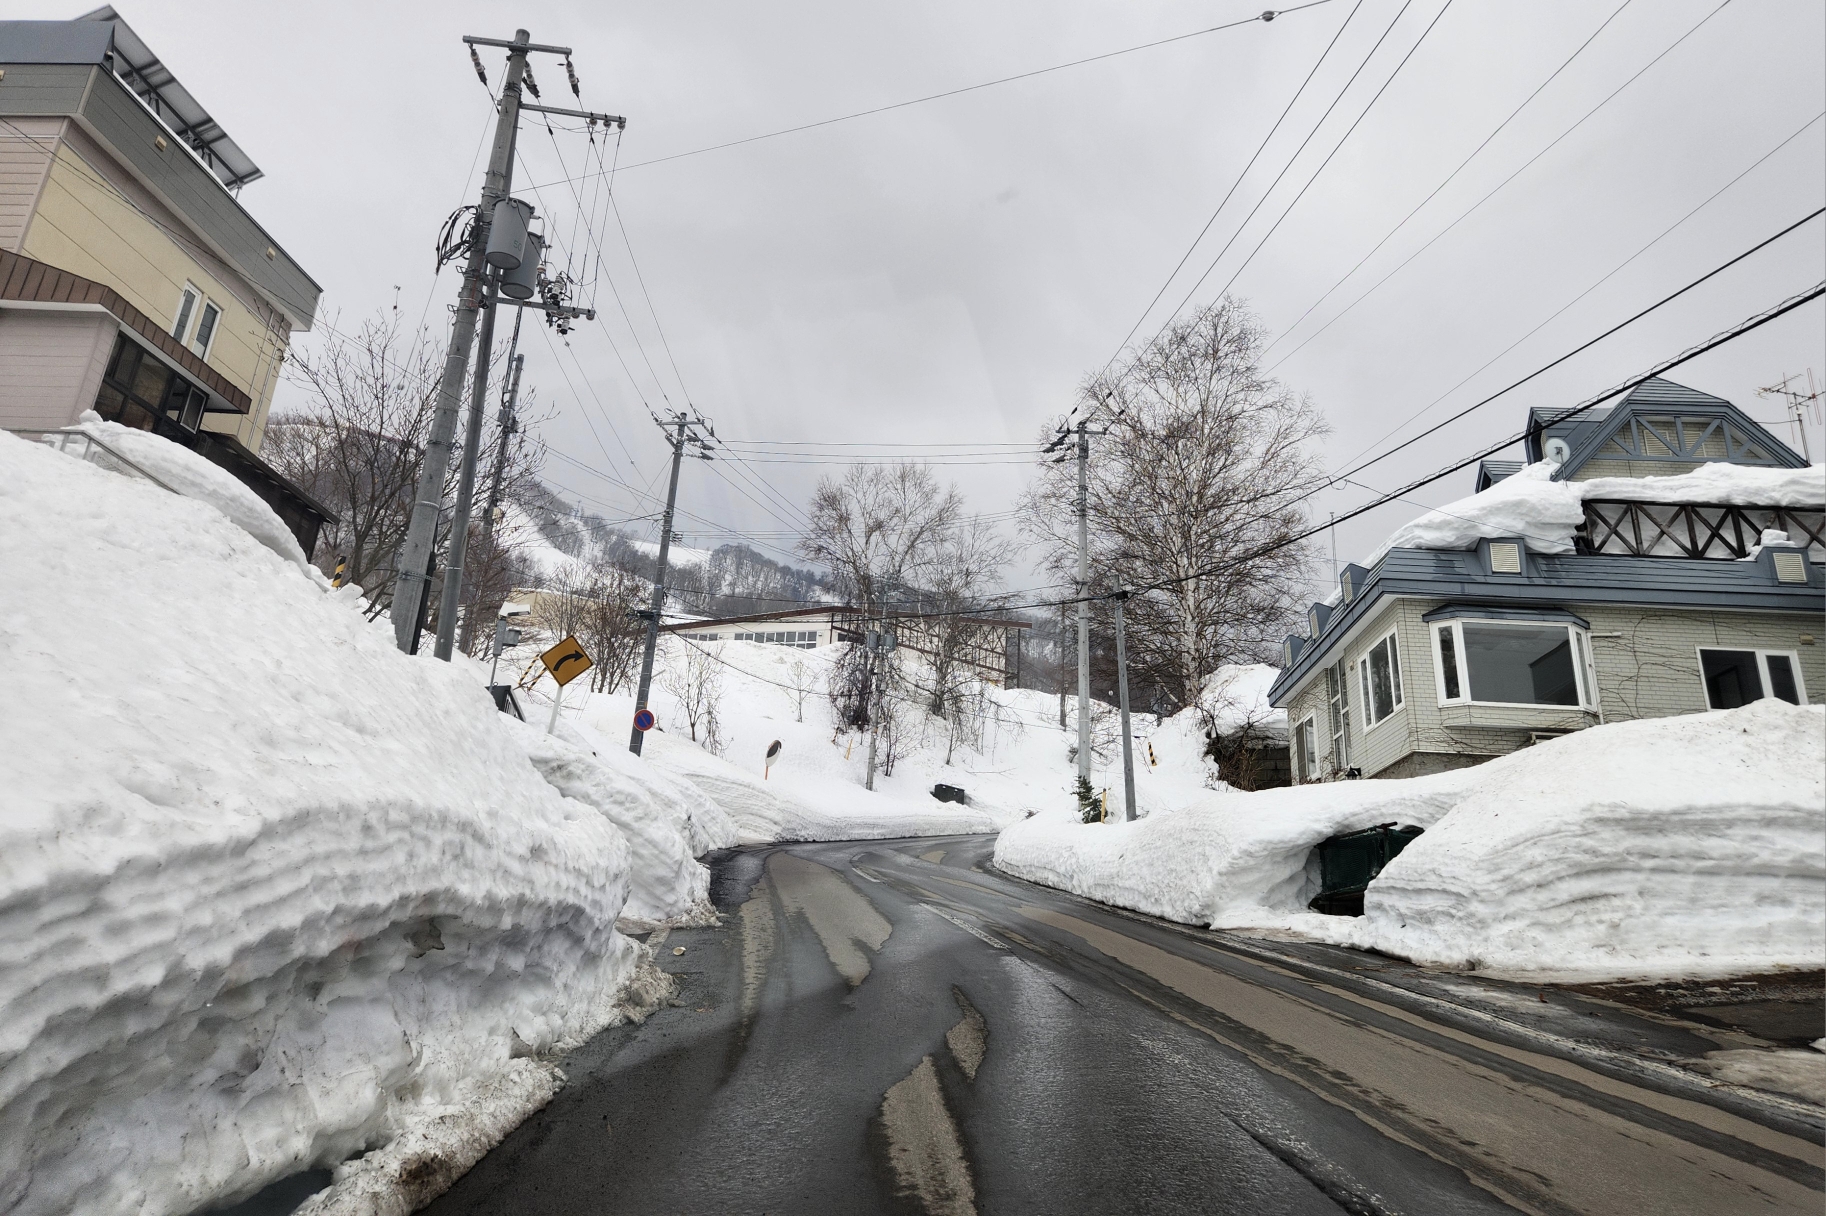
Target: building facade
[(1435, 659), (132, 280), (988, 646)]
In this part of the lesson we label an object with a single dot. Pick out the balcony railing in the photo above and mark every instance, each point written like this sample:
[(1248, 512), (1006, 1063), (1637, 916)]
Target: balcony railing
[(1716, 531)]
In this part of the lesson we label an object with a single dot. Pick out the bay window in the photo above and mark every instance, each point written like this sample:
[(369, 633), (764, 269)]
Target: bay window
[(1513, 662), (1379, 676)]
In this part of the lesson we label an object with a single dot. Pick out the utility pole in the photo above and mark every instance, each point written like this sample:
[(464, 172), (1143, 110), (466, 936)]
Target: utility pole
[(1084, 432), (504, 427), (1122, 700), (1059, 665), (412, 589), (451, 604), (410, 592), (684, 435)]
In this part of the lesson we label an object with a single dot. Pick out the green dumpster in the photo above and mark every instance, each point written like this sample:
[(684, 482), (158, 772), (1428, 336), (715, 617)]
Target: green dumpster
[(1349, 863)]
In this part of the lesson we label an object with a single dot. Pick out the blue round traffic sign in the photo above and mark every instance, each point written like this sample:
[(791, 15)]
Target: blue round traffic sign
[(643, 720)]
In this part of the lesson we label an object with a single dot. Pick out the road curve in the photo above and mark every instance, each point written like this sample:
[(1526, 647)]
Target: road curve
[(893, 1026)]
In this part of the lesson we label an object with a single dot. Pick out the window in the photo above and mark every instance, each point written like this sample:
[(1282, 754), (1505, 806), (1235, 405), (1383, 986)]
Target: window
[(187, 307), (206, 328), (138, 388), (1306, 752), (803, 639), (1514, 663), (1738, 677), (1379, 675), (1337, 687), (703, 637)]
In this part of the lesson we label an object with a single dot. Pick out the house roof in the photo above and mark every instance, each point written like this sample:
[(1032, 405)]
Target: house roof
[(1555, 581), (1489, 472), (1658, 420)]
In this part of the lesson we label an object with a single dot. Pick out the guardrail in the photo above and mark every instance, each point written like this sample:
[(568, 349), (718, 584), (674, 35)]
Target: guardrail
[(76, 442)]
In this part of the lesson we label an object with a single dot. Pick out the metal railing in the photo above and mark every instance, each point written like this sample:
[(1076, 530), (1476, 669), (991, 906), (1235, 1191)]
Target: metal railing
[(76, 442)]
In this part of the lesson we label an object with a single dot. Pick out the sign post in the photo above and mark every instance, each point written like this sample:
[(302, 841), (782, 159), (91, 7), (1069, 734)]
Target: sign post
[(566, 661)]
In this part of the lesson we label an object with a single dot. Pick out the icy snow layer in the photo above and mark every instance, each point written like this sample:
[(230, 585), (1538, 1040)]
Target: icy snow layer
[(664, 834), (1641, 848), (1532, 505), (270, 892), (194, 477)]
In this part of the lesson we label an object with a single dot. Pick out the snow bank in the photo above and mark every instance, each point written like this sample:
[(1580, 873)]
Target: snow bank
[(194, 477), (1627, 849), (666, 829), (270, 892), (1531, 504), (1230, 859), (1640, 848)]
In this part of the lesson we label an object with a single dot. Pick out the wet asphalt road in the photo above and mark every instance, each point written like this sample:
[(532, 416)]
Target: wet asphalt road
[(894, 1027)]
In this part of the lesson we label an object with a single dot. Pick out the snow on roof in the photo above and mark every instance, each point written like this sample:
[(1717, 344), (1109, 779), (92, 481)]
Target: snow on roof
[(1544, 512), (1237, 696)]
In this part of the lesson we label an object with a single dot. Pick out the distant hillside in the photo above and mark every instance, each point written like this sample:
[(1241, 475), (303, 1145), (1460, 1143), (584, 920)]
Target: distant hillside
[(729, 580)]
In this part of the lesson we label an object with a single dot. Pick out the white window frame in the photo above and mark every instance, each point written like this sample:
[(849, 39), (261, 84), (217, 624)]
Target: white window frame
[(1584, 670), (1762, 670), (190, 305), (1361, 669), (1307, 740), (203, 347)]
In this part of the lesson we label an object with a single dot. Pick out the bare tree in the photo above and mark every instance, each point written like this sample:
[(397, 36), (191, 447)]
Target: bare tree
[(878, 528), (802, 685), (356, 443), (1198, 485), (697, 685), (961, 578)]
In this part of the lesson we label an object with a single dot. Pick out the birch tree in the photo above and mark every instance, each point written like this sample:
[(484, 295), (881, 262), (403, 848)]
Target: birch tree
[(1198, 480)]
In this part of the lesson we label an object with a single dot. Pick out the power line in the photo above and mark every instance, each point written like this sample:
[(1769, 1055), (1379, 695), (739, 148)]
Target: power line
[(1667, 299), (1599, 283), (1222, 203), (1499, 186), (1554, 75), (1322, 164), (987, 84)]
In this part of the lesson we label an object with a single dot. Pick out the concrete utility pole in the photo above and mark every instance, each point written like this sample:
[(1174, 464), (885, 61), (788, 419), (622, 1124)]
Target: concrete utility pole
[(504, 427), (1122, 700), (451, 605), (412, 589), (421, 536), (1084, 432), (684, 424), (1084, 608)]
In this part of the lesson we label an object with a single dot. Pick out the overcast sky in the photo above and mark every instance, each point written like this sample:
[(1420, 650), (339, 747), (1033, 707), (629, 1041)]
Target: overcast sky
[(948, 272)]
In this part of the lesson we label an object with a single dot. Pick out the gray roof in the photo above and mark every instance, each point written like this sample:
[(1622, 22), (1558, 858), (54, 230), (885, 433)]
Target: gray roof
[(1555, 581), (64, 68), (102, 37), (1587, 432), (1489, 472)]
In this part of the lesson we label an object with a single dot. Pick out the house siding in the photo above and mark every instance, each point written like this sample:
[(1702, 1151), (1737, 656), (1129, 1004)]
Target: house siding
[(51, 363), (25, 157), (92, 220), (1647, 667)]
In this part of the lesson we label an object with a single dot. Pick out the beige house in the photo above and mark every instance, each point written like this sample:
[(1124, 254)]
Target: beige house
[(132, 280), (1439, 658)]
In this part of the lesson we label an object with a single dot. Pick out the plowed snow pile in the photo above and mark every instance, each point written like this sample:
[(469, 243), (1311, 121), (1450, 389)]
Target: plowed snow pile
[(1662, 846), (270, 892)]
